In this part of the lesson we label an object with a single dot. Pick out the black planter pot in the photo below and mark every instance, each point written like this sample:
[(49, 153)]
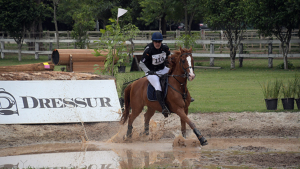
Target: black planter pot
[(121, 69), (271, 104), (298, 103), (288, 103), (121, 102)]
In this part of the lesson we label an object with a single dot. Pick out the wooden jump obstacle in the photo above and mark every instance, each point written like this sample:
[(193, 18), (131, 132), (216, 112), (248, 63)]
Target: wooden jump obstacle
[(78, 60), (43, 66)]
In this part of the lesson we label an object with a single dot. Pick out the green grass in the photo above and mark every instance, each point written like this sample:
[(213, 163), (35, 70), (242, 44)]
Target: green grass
[(225, 90), (12, 59), (216, 90)]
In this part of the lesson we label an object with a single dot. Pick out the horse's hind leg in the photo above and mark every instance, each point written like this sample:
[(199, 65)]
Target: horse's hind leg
[(150, 112), (136, 110)]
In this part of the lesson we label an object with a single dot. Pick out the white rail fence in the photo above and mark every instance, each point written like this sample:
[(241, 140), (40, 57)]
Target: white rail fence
[(210, 55)]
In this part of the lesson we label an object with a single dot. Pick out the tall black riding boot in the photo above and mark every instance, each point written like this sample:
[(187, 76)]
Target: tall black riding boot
[(159, 97)]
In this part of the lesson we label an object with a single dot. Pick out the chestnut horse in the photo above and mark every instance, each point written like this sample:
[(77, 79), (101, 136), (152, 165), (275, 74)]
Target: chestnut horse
[(178, 98)]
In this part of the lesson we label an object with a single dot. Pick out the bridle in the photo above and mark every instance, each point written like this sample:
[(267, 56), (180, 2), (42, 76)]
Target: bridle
[(182, 61), (185, 75)]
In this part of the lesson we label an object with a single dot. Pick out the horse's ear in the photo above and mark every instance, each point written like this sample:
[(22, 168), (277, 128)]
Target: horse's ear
[(191, 49), (181, 50)]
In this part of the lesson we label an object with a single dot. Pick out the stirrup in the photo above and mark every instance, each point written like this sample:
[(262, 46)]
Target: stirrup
[(165, 112)]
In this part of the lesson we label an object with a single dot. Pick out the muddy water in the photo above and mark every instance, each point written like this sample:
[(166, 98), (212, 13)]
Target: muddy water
[(178, 152)]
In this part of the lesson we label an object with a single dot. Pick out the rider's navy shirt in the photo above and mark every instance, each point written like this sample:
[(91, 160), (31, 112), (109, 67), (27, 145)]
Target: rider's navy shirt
[(154, 58)]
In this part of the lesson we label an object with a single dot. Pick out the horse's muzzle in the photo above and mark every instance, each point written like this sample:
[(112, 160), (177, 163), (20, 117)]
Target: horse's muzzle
[(191, 77)]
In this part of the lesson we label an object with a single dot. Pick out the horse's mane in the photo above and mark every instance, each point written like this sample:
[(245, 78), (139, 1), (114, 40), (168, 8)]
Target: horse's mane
[(173, 60)]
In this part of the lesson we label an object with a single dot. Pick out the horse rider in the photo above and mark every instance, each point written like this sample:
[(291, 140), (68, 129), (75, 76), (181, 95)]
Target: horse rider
[(154, 65)]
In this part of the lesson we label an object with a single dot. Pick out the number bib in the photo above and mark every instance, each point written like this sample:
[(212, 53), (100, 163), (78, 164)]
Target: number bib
[(158, 58)]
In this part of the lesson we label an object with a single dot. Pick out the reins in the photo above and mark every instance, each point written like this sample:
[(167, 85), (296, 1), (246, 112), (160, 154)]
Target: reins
[(134, 80)]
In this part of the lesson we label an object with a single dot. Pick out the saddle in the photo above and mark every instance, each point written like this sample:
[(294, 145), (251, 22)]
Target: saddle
[(151, 95)]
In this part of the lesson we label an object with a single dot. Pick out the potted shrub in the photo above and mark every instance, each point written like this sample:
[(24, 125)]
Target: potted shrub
[(288, 92), (271, 92)]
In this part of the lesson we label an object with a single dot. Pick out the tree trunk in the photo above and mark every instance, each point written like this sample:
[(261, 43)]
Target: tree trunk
[(190, 22), (40, 29), (232, 57), (185, 16), (55, 2), (284, 53), (19, 51), (164, 25)]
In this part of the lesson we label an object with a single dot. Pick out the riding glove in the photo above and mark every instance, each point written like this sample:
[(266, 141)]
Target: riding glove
[(151, 72)]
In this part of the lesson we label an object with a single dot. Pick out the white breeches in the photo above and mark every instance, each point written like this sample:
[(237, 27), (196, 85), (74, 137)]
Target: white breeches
[(154, 79)]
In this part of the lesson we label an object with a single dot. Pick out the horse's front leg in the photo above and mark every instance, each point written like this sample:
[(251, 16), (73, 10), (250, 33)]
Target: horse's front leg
[(148, 115), (183, 128), (183, 124), (185, 119)]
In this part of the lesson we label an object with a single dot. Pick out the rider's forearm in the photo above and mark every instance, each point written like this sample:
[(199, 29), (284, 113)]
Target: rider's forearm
[(144, 67)]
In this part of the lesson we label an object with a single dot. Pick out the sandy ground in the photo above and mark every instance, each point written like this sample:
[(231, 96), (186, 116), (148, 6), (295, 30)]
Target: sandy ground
[(236, 140), (258, 140), (221, 125)]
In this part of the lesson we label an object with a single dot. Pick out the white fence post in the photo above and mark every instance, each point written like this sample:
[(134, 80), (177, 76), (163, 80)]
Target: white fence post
[(37, 45), (203, 38), (212, 51), (2, 48)]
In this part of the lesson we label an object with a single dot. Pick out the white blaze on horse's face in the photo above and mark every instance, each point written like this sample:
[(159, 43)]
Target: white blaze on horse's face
[(191, 74)]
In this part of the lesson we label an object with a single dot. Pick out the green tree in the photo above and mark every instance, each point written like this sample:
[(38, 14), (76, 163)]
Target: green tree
[(101, 10), (192, 9), (81, 14), (277, 17), (17, 17), (84, 21), (55, 4), (156, 10), (230, 16)]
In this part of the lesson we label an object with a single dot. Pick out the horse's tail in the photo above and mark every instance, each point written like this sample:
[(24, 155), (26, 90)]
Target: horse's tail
[(125, 113)]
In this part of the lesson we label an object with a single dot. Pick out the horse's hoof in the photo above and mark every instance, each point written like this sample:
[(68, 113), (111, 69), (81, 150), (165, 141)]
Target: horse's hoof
[(127, 137), (146, 133), (203, 141)]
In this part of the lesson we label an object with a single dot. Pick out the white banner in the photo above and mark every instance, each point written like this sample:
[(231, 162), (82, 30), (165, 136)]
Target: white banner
[(89, 159), (121, 12), (58, 101)]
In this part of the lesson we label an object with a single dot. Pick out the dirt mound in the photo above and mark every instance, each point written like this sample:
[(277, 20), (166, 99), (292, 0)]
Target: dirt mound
[(51, 75)]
